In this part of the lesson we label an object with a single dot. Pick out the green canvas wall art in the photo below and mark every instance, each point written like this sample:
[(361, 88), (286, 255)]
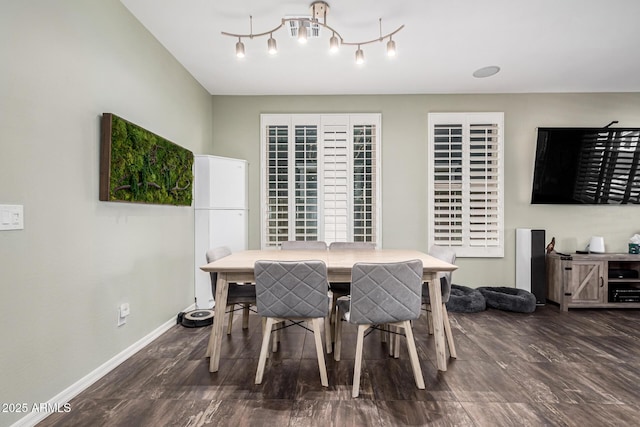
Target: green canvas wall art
[(139, 166)]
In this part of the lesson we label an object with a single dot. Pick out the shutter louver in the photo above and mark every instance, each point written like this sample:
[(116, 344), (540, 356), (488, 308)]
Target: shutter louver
[(277, 153), (364, 183), (465, 206), (306, 182), (447, 159), (320, 178), (335, 183), (484, 227)]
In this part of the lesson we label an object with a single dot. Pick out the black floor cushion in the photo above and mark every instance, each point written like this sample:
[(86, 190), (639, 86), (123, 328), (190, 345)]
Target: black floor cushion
[(509, 299), (465, 300)]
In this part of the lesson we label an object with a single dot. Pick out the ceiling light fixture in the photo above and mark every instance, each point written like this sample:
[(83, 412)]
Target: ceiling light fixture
[(319, 10)]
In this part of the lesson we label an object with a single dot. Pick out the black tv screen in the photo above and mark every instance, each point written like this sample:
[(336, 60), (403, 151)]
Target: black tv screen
[(587, 166)]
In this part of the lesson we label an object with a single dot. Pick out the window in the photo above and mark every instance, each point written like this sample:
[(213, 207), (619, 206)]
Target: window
[(466, 209), (320, 178)]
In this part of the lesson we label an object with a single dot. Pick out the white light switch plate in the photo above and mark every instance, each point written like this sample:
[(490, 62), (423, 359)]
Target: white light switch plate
[(11, 217)]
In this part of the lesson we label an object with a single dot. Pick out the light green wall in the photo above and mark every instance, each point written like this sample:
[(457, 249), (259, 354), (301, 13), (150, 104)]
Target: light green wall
[(404, 158), (64, 63), (63, 276)]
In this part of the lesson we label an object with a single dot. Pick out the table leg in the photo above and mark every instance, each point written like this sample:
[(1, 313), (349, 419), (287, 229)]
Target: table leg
[(438, 326), (215, 340)]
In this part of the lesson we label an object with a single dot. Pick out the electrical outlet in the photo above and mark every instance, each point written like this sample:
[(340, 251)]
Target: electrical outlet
[(11, 217)]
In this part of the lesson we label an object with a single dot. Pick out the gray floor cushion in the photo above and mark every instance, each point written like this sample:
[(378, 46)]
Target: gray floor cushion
[(509, 299), (465, 300)]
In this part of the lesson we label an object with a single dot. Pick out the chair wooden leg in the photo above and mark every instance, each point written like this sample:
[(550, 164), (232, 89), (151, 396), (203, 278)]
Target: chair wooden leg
[(264, 349), (388, 334), (276, 337), (429, 320), (264, 327), (448, 333), (317, 326), (396, 345), (338, 334), (327, 333), (358, 362), (231, 307), (245, 316), (413, 355)]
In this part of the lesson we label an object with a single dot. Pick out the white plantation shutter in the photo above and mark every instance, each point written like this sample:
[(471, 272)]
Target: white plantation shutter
[(276, 157), (447, 180), (305, 203), (365, 183), (467, 183), (335, 159), (320, 178)]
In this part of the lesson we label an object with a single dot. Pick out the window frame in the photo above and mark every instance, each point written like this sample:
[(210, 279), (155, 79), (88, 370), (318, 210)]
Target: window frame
[(322, 121), (466, 120)]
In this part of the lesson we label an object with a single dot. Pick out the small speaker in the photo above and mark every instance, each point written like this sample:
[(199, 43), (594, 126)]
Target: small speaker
[(531, 270)]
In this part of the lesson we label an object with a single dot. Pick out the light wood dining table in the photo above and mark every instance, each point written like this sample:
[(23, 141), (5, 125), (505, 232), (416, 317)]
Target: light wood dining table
[(239, 268)]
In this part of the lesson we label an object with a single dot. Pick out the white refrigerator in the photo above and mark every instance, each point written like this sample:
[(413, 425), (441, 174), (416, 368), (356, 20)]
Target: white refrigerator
[(220, 199)]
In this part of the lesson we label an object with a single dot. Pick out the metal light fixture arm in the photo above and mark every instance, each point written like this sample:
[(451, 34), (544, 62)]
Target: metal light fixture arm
[(319, 8)]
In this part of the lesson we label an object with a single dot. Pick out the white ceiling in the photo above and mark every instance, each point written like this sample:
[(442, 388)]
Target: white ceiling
[(540, 45)]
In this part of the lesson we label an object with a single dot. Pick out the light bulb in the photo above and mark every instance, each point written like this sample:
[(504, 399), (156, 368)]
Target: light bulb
[(334, 44), (302, 33), (271, 46), (240, 49), (391, 48), (359, 56)]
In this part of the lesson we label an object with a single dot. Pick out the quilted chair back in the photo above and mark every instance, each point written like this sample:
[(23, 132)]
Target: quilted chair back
[(446, 254), (385, 292), (303, 245), (291, 289), (352, 245), (214, 255)]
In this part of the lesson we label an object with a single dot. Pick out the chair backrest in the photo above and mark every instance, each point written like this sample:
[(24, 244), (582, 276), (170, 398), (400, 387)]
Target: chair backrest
[(385, 292), (291, 289), (303, 245), (351, 245), (446, 254), (214, 255)]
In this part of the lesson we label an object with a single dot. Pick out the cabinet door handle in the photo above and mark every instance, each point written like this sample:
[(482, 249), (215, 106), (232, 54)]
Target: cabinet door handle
[(601, 281)]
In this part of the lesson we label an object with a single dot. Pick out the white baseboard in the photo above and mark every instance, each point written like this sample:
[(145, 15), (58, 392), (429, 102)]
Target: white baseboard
[(79, 386)]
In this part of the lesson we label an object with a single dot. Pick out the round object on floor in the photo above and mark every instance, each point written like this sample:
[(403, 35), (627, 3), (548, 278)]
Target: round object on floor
[(464, 299), (509, 299), (196, 318)]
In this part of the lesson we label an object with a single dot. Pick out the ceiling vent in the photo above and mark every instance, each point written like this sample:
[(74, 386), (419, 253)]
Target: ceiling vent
[(313, 32)]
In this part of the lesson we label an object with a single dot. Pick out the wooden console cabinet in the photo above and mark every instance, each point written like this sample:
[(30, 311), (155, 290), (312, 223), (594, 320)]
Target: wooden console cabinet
[(592, 280)]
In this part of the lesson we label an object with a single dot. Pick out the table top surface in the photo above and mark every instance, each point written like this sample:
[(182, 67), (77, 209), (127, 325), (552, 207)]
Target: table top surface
[(336, 260)]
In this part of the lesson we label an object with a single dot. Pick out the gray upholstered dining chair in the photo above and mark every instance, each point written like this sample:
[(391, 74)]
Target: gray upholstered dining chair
[(296, 291), (340, 289), (351, 245), (446, 254), (318, 245), (382, 293), (294, 245), (241, 294)]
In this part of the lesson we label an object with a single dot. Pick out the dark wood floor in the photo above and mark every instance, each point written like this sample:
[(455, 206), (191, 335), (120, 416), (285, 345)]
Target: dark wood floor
[(580, 368)]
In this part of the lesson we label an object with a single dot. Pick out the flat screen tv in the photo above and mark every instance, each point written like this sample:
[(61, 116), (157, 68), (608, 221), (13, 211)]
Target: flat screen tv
[(589, 166)]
